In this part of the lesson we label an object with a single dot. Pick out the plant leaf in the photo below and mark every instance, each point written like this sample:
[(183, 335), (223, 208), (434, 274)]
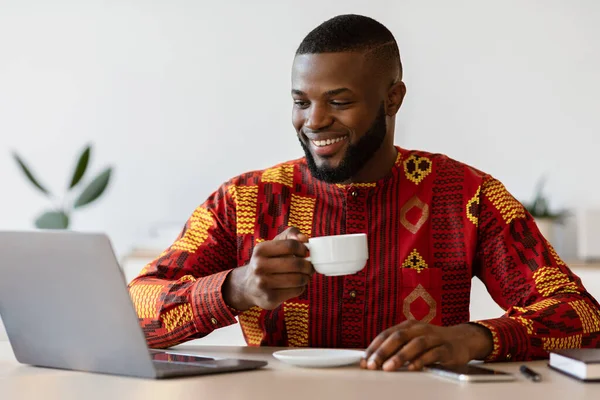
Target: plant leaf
[(82, 164), (94, 189), (52, 220), (29, 175)]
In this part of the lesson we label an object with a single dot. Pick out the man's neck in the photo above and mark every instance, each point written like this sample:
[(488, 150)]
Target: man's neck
[(378, 166)]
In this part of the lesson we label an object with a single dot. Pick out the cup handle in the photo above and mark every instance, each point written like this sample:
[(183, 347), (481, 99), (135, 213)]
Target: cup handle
[(308, 247)]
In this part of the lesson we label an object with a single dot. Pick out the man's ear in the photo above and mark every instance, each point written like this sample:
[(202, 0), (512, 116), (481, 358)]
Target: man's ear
[(394, 99)]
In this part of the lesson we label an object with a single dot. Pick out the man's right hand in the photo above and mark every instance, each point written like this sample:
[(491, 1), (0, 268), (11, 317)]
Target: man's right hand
[(277, 271)]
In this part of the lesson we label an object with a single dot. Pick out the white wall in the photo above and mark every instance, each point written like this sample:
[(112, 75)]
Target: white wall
[(181, 95)]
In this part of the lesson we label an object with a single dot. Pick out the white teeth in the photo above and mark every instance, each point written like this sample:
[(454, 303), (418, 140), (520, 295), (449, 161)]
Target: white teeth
[(327, 142)]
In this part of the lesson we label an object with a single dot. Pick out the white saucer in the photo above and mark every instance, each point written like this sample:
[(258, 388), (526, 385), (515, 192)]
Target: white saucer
[(319, 358)]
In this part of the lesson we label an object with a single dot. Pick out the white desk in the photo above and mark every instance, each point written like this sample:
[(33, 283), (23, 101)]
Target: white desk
[(279, 381)]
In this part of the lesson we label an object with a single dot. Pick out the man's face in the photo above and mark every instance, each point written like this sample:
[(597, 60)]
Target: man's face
[(338, 113)]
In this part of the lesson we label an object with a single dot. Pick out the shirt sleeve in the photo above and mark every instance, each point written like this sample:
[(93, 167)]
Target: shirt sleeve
[(546, 305), (178, 296)]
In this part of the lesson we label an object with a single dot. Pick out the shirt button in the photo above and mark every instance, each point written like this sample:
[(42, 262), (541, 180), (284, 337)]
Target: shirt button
[(214, 321), (354, 193), (508, 356), (353, 294)]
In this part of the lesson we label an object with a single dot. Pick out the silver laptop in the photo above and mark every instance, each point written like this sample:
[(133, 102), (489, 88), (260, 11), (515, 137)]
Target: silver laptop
[(65, 304)]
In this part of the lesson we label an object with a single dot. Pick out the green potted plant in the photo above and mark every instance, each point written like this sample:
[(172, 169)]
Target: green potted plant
[(545, 218), (76, 195)]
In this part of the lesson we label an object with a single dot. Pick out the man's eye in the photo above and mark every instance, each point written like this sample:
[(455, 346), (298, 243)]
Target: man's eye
[(301, 103), (341, 103)]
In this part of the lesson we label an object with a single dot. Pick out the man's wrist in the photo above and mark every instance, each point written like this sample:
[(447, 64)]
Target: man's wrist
[(479, 339), (232, 295)]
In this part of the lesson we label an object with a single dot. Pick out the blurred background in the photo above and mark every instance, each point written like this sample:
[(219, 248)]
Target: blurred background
[(178, 96)]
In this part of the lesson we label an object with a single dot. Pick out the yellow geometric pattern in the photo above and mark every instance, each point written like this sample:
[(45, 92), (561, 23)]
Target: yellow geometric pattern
[(357, 184), (197, 232), (145, 270), (474, 204), (569, 342), (283, 174), (144, 298), (417, 168), (420, 291), (177, 317), (301, 213), (296, 323), (245, 198), (249, 323), (398, 158), (527, 323), (415, 261), (541, 305), (504, 202), (590, 320), (551, 280), (554, 255)]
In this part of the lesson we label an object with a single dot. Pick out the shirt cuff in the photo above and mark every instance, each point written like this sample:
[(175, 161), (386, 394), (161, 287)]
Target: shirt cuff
[(509, 337), (209, 307)]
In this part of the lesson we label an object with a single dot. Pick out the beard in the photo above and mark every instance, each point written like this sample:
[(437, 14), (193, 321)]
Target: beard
[(357, 155)]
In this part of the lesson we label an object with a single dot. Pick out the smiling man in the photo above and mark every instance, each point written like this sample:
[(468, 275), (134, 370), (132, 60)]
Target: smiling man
[(432, 224)]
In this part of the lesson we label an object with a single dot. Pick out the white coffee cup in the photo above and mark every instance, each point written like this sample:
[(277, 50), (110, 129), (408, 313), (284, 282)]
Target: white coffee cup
[(338, 254)]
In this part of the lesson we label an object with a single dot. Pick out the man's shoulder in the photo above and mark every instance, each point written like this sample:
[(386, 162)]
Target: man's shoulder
[(279, 173), (440, 164)]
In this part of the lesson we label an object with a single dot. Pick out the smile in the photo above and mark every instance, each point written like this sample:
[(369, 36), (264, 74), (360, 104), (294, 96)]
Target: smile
[(327, 142)]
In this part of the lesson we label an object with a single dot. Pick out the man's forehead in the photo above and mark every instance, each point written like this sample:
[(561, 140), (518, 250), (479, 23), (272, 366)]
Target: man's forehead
[(329, 70)]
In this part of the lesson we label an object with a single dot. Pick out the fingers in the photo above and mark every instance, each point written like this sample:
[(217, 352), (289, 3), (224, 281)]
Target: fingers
[(280, 248), (282, 265), (292, 233), (278, 270), (411, 352), (390, 346), (416, 344), (282, 281), (439, 354), (411, 342), (276, 280), (377, 343)]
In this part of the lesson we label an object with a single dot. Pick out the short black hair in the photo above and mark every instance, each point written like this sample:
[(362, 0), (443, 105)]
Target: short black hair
[(351, 32)]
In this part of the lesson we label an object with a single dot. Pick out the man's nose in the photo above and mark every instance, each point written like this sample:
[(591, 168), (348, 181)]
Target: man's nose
[(318, 118)]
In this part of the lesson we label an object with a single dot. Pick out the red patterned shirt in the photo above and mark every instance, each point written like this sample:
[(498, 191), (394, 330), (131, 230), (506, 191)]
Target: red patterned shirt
[(432, 224)]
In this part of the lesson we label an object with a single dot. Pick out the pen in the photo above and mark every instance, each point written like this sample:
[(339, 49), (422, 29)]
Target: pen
[(530, 374)]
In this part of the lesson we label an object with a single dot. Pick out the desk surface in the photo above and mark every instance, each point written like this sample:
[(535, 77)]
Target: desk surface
[(279, 381)]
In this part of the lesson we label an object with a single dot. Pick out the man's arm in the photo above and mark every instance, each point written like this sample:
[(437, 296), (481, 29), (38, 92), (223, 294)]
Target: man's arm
[(546, 305), (178, 296)]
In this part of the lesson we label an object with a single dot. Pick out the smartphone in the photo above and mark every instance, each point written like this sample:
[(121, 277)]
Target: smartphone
[(470, 373)]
